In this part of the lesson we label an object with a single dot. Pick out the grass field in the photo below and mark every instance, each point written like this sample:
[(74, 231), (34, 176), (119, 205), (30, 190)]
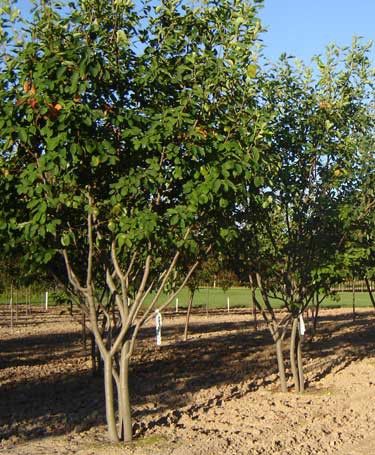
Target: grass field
[(240, 297), (213, 298)]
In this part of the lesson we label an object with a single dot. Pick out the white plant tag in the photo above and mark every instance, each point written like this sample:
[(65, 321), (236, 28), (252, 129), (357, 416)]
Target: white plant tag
[(301, 325), (158, 324)]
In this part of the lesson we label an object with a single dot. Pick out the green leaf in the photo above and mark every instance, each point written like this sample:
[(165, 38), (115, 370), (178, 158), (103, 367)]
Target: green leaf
[(258, 181), (223, 203), (65, 240), (52, 142), (95, 161), (74, 82), (174, 219), (251, 71), (22, 133)]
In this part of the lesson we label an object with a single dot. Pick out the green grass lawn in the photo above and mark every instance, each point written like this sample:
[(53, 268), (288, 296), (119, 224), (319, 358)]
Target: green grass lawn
[(240, 297), (214, 298), (21, 297)]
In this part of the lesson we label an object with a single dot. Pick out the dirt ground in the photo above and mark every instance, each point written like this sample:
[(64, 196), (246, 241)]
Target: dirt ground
[(215, 394)]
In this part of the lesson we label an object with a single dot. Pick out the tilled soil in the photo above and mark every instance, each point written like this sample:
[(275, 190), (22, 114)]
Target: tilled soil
[(217, 393)]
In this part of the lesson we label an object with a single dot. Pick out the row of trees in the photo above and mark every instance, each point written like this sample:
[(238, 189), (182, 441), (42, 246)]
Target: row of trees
[(137, 140)]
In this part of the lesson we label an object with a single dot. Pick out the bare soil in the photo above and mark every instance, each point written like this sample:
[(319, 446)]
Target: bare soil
[(217, 393)]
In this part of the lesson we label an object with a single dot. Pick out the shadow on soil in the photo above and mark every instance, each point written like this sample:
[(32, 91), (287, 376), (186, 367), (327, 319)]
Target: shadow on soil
[(162, 379)]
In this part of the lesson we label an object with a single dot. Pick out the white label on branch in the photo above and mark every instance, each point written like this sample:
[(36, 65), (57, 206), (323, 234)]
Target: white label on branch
[(301, 325), (158, 324)]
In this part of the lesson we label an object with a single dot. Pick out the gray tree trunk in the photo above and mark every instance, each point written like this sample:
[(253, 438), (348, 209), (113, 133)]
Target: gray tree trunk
[(11, 307), (109, 399), (316, 313), (188, 312), (124, 398), (293, 346), (300, 363), (280, 364), (253, 297), (353, 301)]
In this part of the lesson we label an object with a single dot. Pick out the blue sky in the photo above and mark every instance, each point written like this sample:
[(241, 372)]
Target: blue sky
[(304, 27)]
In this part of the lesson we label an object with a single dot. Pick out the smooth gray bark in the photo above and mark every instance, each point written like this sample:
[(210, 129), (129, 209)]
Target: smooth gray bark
[(300, 363), (353, 301), (253, 297), (124, 398), (293, 346), (188, 312), (280, 364), (109, 400)]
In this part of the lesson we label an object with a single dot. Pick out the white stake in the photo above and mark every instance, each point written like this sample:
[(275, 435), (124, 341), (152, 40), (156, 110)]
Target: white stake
[(46, 301), (302, 328), (158, 324), (228, 304), (177, 305)]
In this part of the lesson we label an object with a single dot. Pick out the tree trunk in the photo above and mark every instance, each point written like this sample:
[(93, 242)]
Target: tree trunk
[(316, 313), (28, 301), (372, 298), (253, 297), (16, 302), (94, 366), (300, 363), (124, 398), (353, 301), (99, 362), (11, 309), (293, 348), (84, 337), (109, 399), (280, 364), (188, 312)]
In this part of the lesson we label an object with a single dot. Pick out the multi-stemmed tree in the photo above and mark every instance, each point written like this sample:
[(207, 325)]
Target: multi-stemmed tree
[(292, 245), (126, 134)]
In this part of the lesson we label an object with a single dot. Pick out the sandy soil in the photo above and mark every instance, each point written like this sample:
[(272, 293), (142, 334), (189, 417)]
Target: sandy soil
[(217, 393)]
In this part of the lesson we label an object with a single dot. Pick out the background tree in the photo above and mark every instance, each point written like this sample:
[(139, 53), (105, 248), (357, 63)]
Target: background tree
[(358, 217), (292, 245)]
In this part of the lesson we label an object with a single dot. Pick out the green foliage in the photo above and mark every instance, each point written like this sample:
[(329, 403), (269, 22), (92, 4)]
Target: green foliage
[(152, 140), (358, 215), (321, 121)]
